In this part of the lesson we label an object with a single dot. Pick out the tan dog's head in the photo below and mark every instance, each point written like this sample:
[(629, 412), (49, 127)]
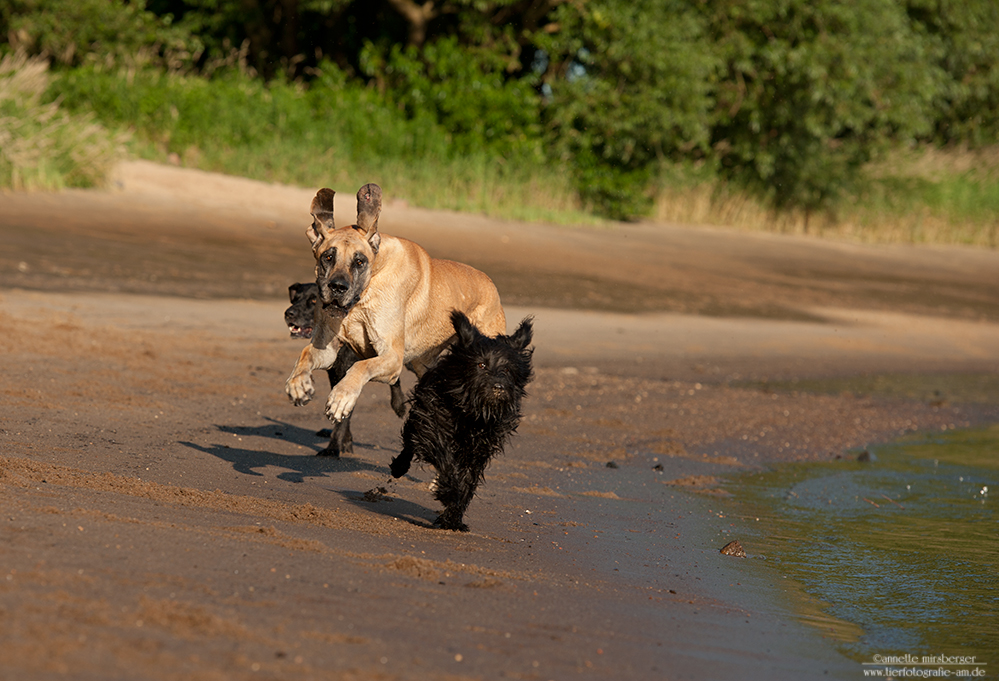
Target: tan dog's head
[(344, 256)]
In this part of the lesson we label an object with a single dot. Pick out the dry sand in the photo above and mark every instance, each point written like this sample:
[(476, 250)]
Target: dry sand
[(162, 515)]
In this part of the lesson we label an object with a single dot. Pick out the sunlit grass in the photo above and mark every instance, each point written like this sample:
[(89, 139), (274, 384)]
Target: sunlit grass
[(339, 133), (42, 147), (925, 195)]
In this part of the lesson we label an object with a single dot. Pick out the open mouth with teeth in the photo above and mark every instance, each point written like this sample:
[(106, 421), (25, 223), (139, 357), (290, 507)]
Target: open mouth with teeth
[(300, 331)]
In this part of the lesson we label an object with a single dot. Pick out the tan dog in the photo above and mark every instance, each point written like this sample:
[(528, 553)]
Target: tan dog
[(387, 299)]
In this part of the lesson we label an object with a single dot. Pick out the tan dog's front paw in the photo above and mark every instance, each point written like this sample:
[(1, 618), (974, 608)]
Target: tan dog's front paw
[(340, 403), (300, 389)]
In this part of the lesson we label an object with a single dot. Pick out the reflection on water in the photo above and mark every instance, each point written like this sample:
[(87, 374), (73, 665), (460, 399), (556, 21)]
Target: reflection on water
[(904, 546)]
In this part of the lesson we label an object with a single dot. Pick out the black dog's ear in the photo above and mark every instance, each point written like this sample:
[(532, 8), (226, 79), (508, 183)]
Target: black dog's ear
[(369, 208), (322, 216), (293, 289), (467, 333), (521, 338)]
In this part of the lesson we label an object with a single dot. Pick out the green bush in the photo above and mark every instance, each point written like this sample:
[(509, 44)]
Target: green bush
[(235, 114), (630, 89), (965, 37), (812, 89), (107, 32), (462, 90)]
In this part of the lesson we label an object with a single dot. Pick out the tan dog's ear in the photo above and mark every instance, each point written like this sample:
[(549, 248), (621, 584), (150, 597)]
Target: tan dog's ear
[(369, 207), (322, 216)]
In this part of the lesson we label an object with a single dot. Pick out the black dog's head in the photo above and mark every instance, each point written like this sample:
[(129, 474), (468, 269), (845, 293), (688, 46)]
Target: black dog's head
[(344, 256), (485, 376), (299, 316)]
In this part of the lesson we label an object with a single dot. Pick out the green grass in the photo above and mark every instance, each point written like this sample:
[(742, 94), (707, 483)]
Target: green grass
[(337, 133), (332, 133)]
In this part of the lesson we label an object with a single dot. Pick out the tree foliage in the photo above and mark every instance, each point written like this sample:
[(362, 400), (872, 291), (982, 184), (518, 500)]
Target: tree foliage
[(629, 86), (965, 40), (788, 97), (464, 89), (109, 32), (810, 89)]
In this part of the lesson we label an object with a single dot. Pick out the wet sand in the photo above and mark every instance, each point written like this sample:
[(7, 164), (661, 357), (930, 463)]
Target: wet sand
[(163, 514)]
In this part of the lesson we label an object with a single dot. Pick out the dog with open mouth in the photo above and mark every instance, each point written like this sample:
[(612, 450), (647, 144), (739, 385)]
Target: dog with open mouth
[(300, 318)]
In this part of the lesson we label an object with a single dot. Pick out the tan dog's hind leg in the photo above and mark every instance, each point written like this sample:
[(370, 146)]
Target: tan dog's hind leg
[(299, 385)]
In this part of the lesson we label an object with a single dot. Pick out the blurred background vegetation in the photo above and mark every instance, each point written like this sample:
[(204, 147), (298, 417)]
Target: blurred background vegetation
[(874, 120)]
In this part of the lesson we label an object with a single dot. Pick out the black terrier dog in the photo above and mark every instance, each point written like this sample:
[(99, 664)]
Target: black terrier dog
[(299, 318), (463, 410)]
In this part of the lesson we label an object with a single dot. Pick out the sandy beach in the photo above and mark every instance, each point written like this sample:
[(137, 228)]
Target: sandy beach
[(163, 514)]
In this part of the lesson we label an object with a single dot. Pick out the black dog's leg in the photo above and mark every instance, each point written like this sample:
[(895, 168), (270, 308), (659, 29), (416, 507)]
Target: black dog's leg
[(456, 486), (341, 441), (400, 464), (410, 434), (398, 399)]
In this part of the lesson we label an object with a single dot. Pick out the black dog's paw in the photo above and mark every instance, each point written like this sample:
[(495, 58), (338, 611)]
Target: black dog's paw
[(449, 522), (400, 465)]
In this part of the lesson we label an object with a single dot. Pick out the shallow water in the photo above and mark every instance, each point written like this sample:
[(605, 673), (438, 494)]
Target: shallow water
[(892, 556)]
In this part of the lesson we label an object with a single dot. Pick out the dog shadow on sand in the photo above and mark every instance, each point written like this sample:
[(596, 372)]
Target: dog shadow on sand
[(299, 466), (381, 499)]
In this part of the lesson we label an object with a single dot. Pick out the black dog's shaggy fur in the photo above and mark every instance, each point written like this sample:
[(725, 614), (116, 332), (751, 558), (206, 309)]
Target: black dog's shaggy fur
[(463, 410), (299, 318)]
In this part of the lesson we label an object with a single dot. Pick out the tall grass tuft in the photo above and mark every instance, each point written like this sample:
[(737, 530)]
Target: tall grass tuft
[(41, 146), (923, 195)]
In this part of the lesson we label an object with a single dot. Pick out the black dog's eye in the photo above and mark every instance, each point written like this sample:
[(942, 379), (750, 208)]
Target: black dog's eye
[(312, 301), (482, 365)]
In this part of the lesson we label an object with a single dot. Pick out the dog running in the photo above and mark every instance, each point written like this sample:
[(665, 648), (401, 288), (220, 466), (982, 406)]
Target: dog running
[(384, 299), (300, 318), (463, 411)]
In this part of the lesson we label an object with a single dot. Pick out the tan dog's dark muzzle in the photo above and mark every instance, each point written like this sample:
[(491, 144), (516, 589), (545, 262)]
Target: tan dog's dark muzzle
[(335, 292)]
